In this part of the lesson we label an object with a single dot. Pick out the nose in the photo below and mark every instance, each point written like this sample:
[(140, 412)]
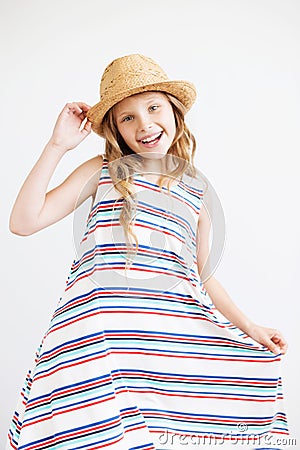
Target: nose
[(145, 123)]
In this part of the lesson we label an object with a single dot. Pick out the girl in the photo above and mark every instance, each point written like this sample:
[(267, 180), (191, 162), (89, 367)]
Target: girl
[(141, 351)]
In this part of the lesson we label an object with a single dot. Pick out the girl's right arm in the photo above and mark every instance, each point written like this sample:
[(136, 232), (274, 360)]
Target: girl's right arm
[(34, 208)]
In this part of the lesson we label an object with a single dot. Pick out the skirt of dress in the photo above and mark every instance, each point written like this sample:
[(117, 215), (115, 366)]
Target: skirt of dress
[(141, 359)]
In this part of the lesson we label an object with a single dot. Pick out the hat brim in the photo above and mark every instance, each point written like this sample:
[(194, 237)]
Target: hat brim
[(183, 90)]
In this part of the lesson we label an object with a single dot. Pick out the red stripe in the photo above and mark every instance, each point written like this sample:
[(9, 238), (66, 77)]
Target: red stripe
[(159, 313), (136, 294), (65, 391), (58, 413), (211, 419), (211, 397), (95, 269), (114, 249)]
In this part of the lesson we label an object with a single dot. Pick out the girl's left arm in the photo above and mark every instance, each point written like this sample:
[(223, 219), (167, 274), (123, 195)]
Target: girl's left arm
[(269, 337)]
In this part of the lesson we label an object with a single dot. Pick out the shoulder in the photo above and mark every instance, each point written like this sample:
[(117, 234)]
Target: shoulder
[(89, 171), (94, 163), (83, 181)]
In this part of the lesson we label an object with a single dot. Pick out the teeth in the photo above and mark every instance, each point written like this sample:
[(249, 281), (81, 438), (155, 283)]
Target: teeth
[(150, 139)]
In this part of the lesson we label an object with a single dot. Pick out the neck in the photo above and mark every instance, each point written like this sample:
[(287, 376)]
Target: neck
[(154, 166)]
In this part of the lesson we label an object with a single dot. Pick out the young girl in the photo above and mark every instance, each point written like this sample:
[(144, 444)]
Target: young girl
[(141, 352)]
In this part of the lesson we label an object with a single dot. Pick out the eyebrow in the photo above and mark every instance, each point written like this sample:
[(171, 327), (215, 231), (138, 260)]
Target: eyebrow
[(150, 99)]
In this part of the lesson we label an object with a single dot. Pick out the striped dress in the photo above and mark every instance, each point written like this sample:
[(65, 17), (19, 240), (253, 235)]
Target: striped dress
[(142, 360)]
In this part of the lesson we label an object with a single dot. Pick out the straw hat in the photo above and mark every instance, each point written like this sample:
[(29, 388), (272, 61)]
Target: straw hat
[(130, 75)]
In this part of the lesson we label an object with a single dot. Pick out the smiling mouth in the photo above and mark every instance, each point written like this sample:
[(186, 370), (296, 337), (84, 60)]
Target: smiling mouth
[(152, 141)]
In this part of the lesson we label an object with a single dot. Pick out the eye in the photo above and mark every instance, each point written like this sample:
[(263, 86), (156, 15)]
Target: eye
[(154, 106), (125, 119)]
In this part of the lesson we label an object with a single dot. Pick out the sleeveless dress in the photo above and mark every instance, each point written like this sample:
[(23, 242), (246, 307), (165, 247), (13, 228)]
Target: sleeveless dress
[(141, 359)]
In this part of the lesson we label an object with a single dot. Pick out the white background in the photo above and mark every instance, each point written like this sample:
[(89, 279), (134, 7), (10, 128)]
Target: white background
[(243, 57)]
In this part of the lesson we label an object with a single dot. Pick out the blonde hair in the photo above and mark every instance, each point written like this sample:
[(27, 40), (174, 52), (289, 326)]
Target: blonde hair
[(183, 147)]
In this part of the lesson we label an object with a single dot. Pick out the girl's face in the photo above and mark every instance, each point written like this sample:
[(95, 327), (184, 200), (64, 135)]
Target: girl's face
[(146, 122)]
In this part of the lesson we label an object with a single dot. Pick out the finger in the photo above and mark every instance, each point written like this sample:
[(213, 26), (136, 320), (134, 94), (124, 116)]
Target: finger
[(273, 347), (85, 111), (87, 128), (283, 345), (71, 108), (70, 105), (278, 339), (284, 348), (77, 108), (82, 115), (83, 106)]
